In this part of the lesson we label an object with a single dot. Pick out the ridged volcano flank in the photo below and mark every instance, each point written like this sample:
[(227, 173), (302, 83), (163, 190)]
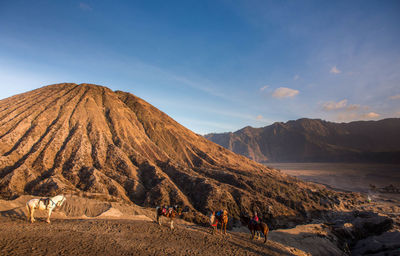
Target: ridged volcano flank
[(91, 139)]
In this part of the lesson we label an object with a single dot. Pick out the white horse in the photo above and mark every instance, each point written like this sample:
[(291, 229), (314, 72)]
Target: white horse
[(44, 204)]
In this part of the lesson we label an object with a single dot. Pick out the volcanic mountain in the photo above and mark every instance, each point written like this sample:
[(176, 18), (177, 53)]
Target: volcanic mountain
[(94, 141), (315, 140)]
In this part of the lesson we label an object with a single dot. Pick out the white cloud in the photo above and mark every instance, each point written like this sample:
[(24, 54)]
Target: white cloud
[(348, 112), (331, 105), (342, 105), (395, 97), (296, 77), (284, 92), (335, 70), (85, 6), (371, 115), (264, 88)]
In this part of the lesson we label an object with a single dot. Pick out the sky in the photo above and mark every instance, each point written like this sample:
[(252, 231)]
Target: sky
[(213, 66)]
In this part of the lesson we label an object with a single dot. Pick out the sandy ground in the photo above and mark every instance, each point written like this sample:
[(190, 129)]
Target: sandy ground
[(125, 237), (114, 229)]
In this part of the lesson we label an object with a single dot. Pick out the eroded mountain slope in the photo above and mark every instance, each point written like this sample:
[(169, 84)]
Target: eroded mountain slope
[(86, 138)]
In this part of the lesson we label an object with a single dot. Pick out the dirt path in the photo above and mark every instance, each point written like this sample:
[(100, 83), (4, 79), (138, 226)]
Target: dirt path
[(124, 237)]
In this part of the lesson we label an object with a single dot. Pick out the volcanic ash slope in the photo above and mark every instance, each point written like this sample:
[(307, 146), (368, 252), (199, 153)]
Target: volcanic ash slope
[(86, 138)]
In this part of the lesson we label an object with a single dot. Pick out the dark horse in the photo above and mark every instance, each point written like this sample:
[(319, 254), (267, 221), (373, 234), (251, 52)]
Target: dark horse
[(169, 212), (256, 226)]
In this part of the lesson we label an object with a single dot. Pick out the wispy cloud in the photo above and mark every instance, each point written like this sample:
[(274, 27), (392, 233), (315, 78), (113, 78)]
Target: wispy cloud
[(259, 117), (351, 116), (204, 126), (395, 97), (353, 107), (296, 77), (348, 112), (85, 6), (341, 105), (331, 105), (264, 88), (284, 92), (371, 115), (335, 70)]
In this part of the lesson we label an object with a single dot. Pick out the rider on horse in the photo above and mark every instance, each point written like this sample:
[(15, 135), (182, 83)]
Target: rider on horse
[(255, 218)]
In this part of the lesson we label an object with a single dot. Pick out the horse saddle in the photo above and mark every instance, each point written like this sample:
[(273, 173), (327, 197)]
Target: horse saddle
[(254, 222), (46, 201)]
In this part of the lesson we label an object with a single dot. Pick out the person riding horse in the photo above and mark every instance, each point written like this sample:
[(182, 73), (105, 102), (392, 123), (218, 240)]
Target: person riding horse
[(255, 220), (213, 222), (169, 212), (221, 217), (255, 226)]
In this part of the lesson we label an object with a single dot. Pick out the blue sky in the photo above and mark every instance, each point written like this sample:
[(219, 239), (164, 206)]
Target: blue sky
[(214, 66)]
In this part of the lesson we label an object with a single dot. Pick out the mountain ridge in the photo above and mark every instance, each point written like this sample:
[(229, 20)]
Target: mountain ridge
[(316, 140)]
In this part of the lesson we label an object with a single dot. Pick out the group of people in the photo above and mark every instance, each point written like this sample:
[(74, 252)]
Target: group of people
[(165, 209)]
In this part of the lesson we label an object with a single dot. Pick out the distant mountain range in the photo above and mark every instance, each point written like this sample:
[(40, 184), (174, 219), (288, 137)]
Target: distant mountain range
[(315, 140)]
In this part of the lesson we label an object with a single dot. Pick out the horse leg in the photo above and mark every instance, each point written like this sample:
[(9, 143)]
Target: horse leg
[(28, 215), (48, 215), (265, 235), (32, 211), (159, 219), (225, 228), (251, 232)]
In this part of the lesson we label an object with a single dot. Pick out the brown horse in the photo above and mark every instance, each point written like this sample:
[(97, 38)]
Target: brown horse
[(223, 219), (169, 212), (256, 227)]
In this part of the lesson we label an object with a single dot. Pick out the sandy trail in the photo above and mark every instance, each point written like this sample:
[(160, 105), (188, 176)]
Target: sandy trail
[(124, 237), (90, 227)]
